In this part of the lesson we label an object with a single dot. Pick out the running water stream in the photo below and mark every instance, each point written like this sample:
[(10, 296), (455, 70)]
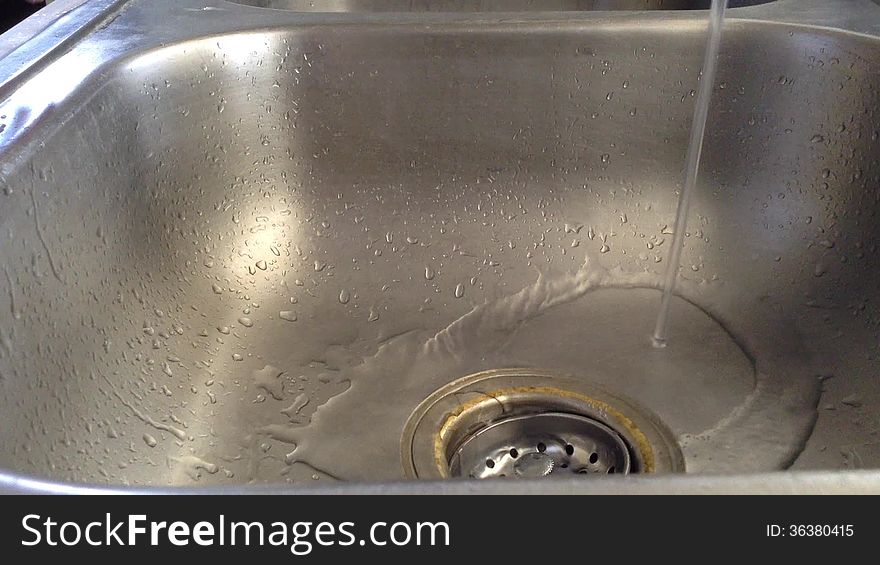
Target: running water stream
[(691, 166)]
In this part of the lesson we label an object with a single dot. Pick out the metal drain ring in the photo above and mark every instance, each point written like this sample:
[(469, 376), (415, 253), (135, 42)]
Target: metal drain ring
[(538, 445), (446, 437)]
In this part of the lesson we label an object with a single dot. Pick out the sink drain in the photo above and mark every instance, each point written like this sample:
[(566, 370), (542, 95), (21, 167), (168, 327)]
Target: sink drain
[(538, 445), (517, 423)]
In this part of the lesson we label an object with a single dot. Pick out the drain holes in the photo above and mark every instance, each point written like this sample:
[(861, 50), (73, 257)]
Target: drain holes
[(538, 445)]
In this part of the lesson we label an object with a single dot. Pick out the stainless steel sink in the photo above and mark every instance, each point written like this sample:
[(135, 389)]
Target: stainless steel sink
[(254, 249)]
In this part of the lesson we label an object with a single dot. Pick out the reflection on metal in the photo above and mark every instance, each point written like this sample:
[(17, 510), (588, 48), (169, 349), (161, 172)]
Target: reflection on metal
[(452, 6)]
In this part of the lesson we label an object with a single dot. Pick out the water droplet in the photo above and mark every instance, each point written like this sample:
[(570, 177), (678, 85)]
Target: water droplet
[(459, 290), (217, 289), (261, 265), (150, 440), (604, 249), (237, 357), (344, 296), (319, 266), (429, 273), (288, 315), (245, 321), (223, 329), (817, 138)]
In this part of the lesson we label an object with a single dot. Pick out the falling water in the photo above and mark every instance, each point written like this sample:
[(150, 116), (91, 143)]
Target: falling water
[(691, 166)]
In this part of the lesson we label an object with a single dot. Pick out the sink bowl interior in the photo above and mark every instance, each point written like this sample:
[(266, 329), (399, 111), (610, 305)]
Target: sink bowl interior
[(249, 257), (485, 5)]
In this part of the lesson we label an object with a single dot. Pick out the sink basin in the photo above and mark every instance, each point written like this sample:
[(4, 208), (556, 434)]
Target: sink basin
[(247, 248)]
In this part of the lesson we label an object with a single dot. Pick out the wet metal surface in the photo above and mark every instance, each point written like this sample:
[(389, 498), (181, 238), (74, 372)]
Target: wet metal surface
[(239, 246)]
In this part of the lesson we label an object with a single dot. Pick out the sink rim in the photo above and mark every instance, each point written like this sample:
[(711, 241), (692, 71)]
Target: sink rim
[(38, 41), (354, 10), (775, 483)]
